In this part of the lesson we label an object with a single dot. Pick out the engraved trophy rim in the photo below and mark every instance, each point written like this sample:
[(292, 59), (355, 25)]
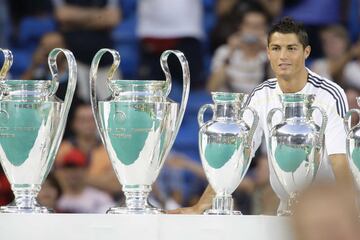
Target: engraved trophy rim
[(219, 96)]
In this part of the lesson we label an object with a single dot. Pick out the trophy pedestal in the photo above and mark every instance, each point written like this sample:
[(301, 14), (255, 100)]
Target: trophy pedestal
[(13, 208), (136, 201), (222, 205)]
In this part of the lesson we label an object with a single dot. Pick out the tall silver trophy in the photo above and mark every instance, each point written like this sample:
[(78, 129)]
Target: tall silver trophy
[(138, 126), (225, 146), (295, 144), (353, 144), (32, 122)]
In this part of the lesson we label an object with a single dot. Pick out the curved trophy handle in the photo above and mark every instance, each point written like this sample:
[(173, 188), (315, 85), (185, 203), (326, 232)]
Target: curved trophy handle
[(72, 68), (93, 76), (253, 127), (8, 61), (323, 125), (202, 111), (186, 83), (347, 118), (270, 116)]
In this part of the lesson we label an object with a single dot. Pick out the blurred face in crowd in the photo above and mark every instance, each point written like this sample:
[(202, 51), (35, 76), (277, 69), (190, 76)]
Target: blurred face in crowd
[(84, 123), (253, 28), (286, 55), (334, 45), (327, 214)]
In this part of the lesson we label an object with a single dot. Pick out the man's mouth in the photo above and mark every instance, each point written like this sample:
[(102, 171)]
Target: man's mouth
[(284, 65)]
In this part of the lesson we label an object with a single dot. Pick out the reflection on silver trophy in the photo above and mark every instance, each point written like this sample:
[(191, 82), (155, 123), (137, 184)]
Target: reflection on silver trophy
[(295, 144), (138, 126), (353, 144), (225, 147), (32, 122)]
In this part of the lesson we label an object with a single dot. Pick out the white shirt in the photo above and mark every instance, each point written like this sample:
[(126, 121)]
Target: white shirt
[(329, 96), (170, 18), (243, 74)]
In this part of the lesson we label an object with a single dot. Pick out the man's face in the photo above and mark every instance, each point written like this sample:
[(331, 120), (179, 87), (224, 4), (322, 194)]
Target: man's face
[(286, 54)]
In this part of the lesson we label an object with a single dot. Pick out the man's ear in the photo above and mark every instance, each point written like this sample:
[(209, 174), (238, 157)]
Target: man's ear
[(307, 51)]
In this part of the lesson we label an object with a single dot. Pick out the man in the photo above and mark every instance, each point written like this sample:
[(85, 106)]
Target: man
[(240, 65), (287, 51)]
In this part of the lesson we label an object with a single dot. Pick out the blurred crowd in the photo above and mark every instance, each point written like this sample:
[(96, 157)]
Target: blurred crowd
[(225, 44)]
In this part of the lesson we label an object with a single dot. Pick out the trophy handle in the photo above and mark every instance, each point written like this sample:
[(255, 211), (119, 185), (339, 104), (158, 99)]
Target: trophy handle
[(253, 127), (323, 125), (270, 116), (186, 83), (202, 111), (8, 61), (347, 118), (93, 76), (72, 68)]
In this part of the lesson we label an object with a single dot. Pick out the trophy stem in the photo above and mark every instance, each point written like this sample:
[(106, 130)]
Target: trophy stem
[(25, 201), (223, 204), (291, 202), (136, 201)]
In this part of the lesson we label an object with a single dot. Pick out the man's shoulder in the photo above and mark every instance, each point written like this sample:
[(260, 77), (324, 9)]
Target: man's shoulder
[(328, 91), (263, 89), (323, 83)]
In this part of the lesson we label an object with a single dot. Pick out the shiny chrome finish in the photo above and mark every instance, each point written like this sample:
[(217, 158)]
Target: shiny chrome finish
[(138, 126), (296, 144), (353, 144), (32, 122), (225, 146)]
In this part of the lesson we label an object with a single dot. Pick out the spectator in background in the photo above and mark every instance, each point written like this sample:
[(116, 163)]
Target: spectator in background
[(175, 24), (99, 171), (337, 55), (241, 64), (84, 27), (50, 193), (230, 11), (77, 196), (314, 15)]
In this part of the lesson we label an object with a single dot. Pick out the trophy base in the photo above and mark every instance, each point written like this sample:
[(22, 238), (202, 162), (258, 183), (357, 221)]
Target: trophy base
[(222, 205), (125, 210), (284, 213), (221, 212), (12, 208)]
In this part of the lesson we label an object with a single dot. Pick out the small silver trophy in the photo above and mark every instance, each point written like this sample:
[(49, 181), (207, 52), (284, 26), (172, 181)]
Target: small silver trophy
[(295, 144), (138, 126), (225, 146), (32, 122), (353, 144)]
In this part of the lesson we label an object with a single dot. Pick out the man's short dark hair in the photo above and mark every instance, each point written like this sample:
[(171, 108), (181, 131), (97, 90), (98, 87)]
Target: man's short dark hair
[(288, 25)]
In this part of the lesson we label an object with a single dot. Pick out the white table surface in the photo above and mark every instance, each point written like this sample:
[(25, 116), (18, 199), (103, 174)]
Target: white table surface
[(149, 227)]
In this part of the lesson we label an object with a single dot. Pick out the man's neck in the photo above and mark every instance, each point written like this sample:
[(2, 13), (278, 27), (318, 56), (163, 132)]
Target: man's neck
[(86, 143), (294, 83)]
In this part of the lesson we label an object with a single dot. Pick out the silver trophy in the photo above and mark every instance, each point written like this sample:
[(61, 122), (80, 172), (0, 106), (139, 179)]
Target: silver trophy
[(138, 126), (32, 122), (353, 144), (225, 146), (295, 144)]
